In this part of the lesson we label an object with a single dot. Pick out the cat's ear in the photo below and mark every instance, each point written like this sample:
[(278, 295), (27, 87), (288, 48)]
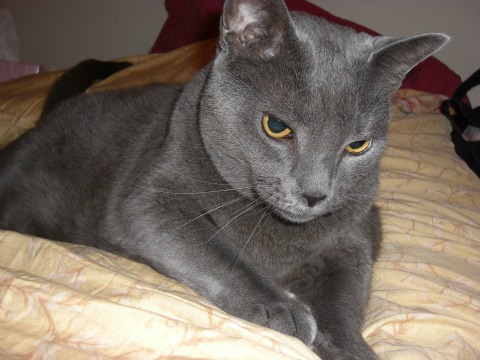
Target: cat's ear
[(393, 58), (257, 27)]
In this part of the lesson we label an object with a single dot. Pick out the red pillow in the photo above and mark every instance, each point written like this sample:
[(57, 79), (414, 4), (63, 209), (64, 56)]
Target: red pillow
[(190, 21)]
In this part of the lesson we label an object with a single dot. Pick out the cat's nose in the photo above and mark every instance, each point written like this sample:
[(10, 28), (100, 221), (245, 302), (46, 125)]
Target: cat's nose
[(313, 200)]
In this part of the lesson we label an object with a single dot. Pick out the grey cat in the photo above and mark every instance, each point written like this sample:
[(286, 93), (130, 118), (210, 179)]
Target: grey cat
[(254, 184)]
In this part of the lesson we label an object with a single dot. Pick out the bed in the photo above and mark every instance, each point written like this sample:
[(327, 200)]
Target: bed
[(67, 301)]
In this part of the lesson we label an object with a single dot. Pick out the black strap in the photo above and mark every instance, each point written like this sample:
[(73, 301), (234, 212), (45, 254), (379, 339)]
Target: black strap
[(467, 85), (461, 116)]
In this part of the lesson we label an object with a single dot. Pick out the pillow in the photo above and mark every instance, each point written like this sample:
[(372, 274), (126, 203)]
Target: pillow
[(190, 21)]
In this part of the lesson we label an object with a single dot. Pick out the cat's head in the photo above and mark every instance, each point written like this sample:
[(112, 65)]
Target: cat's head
[(296, 110)]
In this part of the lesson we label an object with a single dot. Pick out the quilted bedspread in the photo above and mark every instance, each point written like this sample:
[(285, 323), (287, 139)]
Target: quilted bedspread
[(63, 301)]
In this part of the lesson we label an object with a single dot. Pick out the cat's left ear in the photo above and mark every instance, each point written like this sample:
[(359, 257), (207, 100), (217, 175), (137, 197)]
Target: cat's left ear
[(258, 27), (395, 57)]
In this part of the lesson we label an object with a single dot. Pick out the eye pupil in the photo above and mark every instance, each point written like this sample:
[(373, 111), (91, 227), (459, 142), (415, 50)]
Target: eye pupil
[(358, 147), (275, 128), (357, 144)]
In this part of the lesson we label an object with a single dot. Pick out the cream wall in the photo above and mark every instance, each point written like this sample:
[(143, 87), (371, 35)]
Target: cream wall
[(59, 33)]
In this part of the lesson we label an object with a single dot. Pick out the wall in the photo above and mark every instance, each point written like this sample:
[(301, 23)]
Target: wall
[(59, 33)]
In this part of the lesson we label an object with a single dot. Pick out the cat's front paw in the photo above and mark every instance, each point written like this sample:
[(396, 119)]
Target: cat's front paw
[(290, 317), (356, 349)]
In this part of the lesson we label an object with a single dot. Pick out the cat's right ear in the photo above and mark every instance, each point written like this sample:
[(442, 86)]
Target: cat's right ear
[(254, 27), (393, 58)]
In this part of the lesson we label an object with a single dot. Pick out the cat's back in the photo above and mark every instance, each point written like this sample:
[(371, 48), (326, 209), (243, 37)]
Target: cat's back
[(67, 163)]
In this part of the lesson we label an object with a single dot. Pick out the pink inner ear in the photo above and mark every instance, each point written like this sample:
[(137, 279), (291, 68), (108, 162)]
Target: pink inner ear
[(248, 21), (257, 27), (247, 15)]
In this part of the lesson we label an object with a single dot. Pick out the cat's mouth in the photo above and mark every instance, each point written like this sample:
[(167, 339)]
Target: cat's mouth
[(291, 210)]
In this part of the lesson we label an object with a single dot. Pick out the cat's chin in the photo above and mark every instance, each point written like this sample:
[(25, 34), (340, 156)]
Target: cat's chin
[(291, 218)]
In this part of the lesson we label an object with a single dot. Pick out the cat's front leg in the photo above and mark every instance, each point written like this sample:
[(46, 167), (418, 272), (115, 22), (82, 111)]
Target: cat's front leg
[(336, 287), (217, 270)]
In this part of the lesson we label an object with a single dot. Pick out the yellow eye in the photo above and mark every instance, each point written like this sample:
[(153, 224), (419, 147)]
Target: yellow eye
[(358, 147), (275, 128)]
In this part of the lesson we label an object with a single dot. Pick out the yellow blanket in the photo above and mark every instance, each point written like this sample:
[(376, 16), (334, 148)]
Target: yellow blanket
[(67, 301)]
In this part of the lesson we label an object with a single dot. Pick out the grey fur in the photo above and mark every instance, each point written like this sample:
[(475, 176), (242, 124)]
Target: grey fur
[(186, 180)]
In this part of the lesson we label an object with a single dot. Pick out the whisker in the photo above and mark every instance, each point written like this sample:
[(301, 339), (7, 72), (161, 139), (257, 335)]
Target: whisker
[(248, 240), (207, 212), (245, 210)]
